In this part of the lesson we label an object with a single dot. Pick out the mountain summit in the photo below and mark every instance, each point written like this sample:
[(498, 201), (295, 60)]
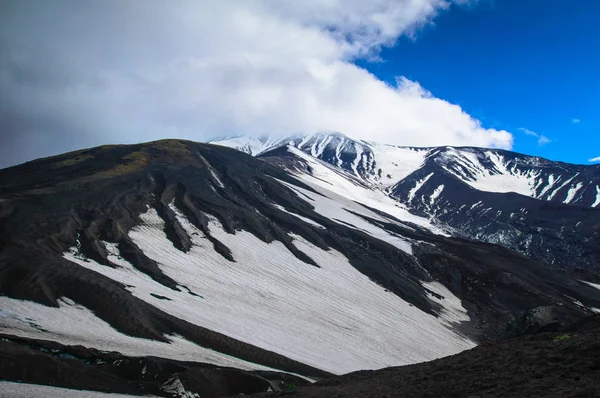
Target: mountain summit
[(156, 263), (543, 209)]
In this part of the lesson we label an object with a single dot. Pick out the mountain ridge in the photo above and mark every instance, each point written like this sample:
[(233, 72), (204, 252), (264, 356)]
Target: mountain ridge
[(321, 142), (200, 253), (498, 196)]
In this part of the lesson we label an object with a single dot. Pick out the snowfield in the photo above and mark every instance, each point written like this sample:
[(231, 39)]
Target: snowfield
[(22, 390), (596, 285), (397, 162), (340, 189), (340, 209), (333, 318), (73, 324), (382, 166), (478, 176), (597, 201)]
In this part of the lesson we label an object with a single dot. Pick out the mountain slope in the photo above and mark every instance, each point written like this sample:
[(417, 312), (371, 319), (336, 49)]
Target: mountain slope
[(377, 164), (488, 170), (543, 365), (543, 209), (201, 253)]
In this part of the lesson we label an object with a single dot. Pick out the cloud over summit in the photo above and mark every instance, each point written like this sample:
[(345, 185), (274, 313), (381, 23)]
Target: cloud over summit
[(83, 73)]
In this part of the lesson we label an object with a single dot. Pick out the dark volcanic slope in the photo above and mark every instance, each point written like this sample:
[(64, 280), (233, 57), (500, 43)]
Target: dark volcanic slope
[(554, 219), (96, 195), (559, 234), (543, 365), (76, 367), (93, 196)]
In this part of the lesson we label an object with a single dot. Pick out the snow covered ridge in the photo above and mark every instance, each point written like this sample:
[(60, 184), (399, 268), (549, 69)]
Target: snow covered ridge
[(229, 260), (252, 145), (503, 172), (340, 324), (24, 390), (489, 195), (332, 317), (483, 169), (377, 164)]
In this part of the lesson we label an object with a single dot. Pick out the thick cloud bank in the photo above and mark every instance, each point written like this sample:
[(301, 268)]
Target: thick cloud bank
[(82, 73)]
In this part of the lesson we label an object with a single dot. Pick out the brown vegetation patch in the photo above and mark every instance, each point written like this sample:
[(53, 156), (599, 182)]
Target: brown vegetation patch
[(133, 162)]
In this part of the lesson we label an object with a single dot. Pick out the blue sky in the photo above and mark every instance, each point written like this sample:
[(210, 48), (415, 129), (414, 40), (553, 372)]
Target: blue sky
[(80, 74), (514, 64)]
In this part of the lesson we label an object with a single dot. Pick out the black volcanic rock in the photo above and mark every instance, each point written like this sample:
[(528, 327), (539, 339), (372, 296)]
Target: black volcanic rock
[(96, 195), (562, 235), (562, 364), (44, 362), (558, 223)]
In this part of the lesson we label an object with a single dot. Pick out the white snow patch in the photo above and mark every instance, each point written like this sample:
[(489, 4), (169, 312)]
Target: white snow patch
[(397, 162), (320, 145), (581, 305), (597, 201), (252, 145), (359, 152), (332, 317), (436, 194), (335, 184), (453, 312), (338, 151), (212, 171), (216, 178), (572, 192), (305, 219), (305, 139), (340, 210), (343, 316), (501, 180), (597, 286), (419, 184), (505, 175), (72, 324), (23, 390), (551, 181), (476, 204), (174, 387), (561, 187)]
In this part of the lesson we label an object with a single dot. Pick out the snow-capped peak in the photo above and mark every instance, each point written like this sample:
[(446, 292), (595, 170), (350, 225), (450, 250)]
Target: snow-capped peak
[(252, 145), (378, 164), (488, 170)]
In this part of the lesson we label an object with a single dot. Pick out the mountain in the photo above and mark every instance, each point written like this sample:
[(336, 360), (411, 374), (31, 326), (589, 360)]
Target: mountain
[(543, 365), (557, 364), (175, 267), (545, 210)]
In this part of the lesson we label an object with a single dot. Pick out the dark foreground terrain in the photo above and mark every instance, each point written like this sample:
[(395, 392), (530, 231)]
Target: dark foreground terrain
[(75, 367), (565, 364), (557, 364)]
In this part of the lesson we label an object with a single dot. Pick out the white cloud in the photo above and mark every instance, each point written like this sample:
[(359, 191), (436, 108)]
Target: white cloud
[(594, 160), (87, 73), (529, 132), (542, 139), (575, 121)]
